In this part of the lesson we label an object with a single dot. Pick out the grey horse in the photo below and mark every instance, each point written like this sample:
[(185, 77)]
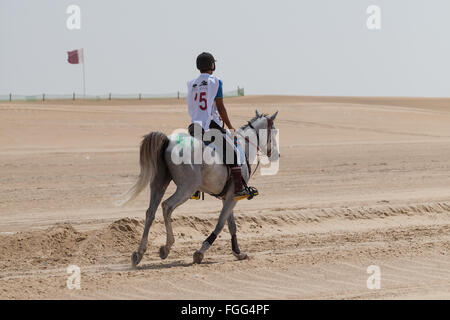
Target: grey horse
[(157, 168)]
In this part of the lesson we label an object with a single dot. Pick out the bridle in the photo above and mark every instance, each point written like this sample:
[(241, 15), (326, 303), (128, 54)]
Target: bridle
[(268, 143), (269, 136)]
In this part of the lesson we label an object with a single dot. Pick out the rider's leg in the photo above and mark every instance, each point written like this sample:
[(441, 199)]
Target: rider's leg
[(196, 131), (240, 192), (230, 158), (236, 171)]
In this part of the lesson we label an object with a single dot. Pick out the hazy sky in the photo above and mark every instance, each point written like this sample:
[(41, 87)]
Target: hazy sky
[(301, 47)]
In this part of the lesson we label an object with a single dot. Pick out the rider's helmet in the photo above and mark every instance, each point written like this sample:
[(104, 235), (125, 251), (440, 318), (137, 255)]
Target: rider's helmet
[(206, 61)]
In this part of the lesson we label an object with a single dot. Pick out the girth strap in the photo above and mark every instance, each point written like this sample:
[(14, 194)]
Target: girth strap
[(225, 187)]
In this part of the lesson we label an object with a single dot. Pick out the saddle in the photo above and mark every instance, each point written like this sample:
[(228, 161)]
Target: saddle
[(237, 152)]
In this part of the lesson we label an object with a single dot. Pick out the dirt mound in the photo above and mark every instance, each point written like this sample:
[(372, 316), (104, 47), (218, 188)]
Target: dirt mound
[(126, 226), (55, 244), (122, 233), (62, 244)]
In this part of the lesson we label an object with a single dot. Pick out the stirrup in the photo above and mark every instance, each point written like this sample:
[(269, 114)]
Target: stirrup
[(253, 192), (247, 193), (196, 195)]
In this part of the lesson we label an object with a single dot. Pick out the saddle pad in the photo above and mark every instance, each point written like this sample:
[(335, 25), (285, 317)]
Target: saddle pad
[(182, 139)]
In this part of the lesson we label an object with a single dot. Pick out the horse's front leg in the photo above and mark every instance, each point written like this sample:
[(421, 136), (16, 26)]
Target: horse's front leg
[(234, 244), (227, 209)]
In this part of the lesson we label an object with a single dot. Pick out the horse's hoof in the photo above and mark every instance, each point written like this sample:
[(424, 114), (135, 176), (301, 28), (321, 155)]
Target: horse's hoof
[(240, 256), (135, 259), (198, 257), (163, 252)]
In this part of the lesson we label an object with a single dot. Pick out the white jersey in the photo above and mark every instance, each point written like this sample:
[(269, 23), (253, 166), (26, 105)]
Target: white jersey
[(201, 93)]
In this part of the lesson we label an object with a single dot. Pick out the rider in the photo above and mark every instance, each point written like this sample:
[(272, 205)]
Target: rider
[(205, 104)]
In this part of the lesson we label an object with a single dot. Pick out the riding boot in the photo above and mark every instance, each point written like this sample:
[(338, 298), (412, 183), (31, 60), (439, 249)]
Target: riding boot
[(239, 192)]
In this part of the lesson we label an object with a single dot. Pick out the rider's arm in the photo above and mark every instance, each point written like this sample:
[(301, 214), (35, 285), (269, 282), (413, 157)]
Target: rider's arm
[(223, 112)]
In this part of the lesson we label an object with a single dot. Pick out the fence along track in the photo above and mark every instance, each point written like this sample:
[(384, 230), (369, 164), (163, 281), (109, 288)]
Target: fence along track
[(109, 96)]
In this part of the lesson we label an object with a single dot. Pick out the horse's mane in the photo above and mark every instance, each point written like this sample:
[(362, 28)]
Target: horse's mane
[(254, 119)]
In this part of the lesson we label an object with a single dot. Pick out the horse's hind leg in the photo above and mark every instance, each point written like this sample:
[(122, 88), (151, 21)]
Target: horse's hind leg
[(234, 244), (181, 195), (227, 209), (158, 188)]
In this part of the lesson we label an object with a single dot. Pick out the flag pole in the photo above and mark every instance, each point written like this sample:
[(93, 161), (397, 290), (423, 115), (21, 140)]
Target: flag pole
[(84, 82), (84, 77), (77, 57)]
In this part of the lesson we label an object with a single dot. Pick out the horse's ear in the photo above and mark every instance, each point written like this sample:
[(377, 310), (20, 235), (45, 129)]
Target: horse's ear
[(272, 117), (257, 113)]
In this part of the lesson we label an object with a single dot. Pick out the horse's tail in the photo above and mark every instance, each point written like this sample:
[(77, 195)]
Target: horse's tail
[(151, 158)]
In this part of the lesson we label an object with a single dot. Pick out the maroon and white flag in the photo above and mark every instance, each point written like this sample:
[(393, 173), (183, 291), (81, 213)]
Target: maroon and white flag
[(75, 56)]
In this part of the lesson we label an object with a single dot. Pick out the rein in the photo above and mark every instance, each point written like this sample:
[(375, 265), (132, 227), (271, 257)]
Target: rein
[(268, 143), (268, 153)]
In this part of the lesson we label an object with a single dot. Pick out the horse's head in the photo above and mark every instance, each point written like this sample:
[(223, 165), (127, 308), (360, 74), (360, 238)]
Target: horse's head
[(266, 133)]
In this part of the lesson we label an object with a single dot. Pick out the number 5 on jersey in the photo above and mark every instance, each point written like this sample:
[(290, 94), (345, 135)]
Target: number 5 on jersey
[(201, 101)]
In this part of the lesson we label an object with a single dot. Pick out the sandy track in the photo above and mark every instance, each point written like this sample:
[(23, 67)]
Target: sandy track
[(362, 182)]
